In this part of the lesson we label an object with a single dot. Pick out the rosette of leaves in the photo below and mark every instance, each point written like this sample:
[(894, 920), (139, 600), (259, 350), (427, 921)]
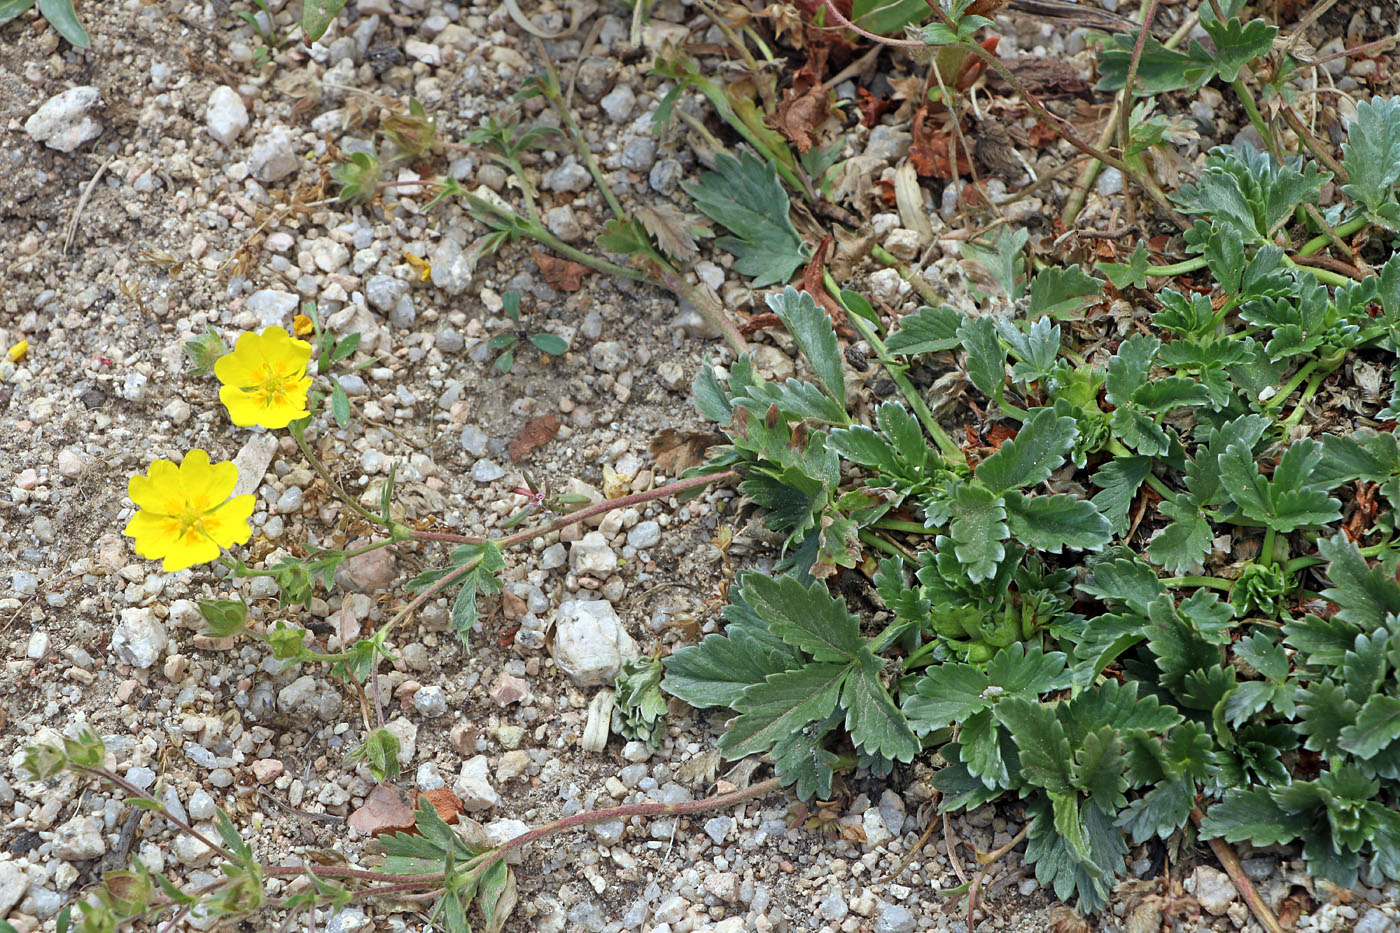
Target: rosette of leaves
[(639, 711)]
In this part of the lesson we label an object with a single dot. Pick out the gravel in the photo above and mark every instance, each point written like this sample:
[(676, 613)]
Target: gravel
[(64, 122)]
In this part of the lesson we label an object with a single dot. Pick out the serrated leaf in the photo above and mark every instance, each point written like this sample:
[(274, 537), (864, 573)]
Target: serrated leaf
[(1059, 291), (1371, 154), (1163, 395), (815, 337), (1034, 348), (805, 617), (949, 694), (1052, 523), (1160, 69), (464, 614), (1001, 261), (803, 763), (1140, 432), (1160, 812), (1263, 654), (745, 196), (1376, 726), (717, 671), (863, 446), (1366, 595), (781, 705), (959, 787), (1324, 710), (1032, 455), (1045, 751), (977, 530), (927, 330), (1125, 582), (1098, 768), (1248, 816), (980, 748), (1178, 647), (1237, 43), (1244, 483), (672, 231), (1128, 368), (1118, 482), (986, 357), (1133, 273), (873, 720)]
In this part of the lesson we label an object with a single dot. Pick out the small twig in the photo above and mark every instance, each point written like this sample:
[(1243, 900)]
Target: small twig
[(1231, 864), (1125, 110), (988, 861), (82, 203), (950, 842), (1315, 147), (913, 851)]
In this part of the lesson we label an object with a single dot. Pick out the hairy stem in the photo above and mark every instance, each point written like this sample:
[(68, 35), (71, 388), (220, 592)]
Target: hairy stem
[(299, 435)]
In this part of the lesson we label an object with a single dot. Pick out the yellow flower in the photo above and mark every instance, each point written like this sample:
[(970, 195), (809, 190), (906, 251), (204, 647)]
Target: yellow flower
[(186, 515), (425, 268), (265, 380), (302, 325), (18, 351)]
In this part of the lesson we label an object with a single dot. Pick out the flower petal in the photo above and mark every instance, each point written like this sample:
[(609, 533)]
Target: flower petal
[(206, 485), (151, 534), (193, 548), (159, 490), (243, 408), (228, 525)]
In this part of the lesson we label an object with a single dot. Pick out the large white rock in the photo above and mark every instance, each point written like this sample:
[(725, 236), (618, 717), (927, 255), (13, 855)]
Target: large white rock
[(590, 644), (139, 639), (274, 155), (225, 115), (473, 785), (78, 840), (63, 122)]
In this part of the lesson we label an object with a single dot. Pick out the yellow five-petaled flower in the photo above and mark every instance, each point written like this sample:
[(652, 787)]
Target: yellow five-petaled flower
[(265, 380), (186, 515)]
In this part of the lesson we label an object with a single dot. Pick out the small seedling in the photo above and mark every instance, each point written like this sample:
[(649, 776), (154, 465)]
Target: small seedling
[(506, 344), (58, 13)]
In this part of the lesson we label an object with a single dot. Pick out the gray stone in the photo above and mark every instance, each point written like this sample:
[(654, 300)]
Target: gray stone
[(671, 910), (474, 440), (1372, 921), (644, 535), (78, 840), (887, 143), (595, 77), (569, 177), (430, 701), (404, 314), (1214, 890), (139, 639), (12, 886), (553, 557), (1110, 182), (563, 223), (618, 103), (894, 919), (274, 155), (382, 291), (723, 885), (298, 695), (225, 115), (590, 644), (473, 785), (591, 554), (638, 153), (272, 306), (487, 471), (608, 356), (289, 501), (665, 176), (718, 828), (833, 907), (202, 806), (349, 921), (451, 266), (62, 122)]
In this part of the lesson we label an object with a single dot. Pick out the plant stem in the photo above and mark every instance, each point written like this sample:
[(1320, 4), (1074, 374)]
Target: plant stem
[(1251, 108), (136, 792), (1318, 243), (895, 524), (555, 96), (915, 280), (1231, 864), (1279, 397), (599, 508), (1125, 130), (299, 435), (1266, 550), (875, 541), (1213, 582), (1311, 142), (951, 451)]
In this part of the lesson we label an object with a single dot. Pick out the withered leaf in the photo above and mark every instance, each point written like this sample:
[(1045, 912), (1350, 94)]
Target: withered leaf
[(533, 435), (559, 273), (676, 452), (673, 232)]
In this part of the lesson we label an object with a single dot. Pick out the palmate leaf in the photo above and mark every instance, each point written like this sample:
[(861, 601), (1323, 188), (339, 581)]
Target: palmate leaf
[(1118, 482), (1127, 370), (1029, 458), (1371, 155), (1045, 751), (745, 196), (804, 763), (716, 671), (1061, 291), (1247, 192), (1160, 69), (1376, 726), (1062, 867), (1184, 543), (1035, 348), (1237, 43), (1249, 816), (954, 692), (1160, 812), (1366, 595), (986, 357), (1324, 710)]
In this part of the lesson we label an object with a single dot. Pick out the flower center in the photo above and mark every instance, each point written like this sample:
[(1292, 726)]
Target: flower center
[(190, 519), (273, 385)]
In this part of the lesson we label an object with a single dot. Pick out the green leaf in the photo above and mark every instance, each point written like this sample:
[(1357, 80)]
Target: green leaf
[(745, 196), (782, 704), (552, 344), (882, 17), (927, 330), (1237, 43), (1032, 455), (949, 694), (1125, 582), (1127, 370), (978, 529), (9, 9), (1133, 273), (816, 338), (1248, 816), (1160, 69), (873, 720), (61, 17), (1118, 482), (981, 746), (1371, 154), (1376, 726), (805, 617), (1366, 595), (1160, 812), (986, 357), (1001, 260), (1045, 751), (340, 403), (803, 763), (1035, 348), (717, 671), (317, 15), (1324, 710), (1051, 523), (1098, 769), (1163, 395), (1060, 292), (1248, 193), (226, 617), (1245, 484), (464, 614)]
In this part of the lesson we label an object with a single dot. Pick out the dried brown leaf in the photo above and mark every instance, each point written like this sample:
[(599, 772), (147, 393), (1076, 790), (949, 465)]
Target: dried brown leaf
[(559, 273), (671, 229), (533, 435)]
